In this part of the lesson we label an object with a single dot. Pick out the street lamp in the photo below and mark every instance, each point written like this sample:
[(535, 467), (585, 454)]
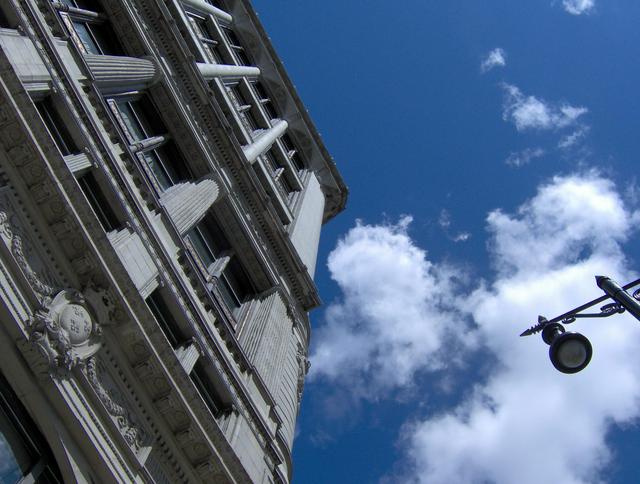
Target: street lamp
[(571, 352)]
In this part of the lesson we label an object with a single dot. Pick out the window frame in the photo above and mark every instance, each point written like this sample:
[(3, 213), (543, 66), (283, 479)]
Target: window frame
[(100, 38), (171, 164), (231, 276)]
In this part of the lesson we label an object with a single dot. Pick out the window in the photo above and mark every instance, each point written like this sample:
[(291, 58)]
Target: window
[(24, 452), (292, 152), (236, 46), (140, 120), (99, 203), (243, 107), (215, 3), (210, 45), (5, 22), (217, 256), (56, 127), (87, 21), (207, 390), (279, 174), (165, 319), (265, 101)]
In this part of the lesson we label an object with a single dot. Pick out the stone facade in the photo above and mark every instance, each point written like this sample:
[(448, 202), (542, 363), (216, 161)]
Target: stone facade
[(162, 190)]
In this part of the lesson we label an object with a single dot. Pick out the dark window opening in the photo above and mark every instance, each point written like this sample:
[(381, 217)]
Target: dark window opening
[(4, 21), (210, 244), (269, 108), (56, 126), (97, 35), (211, 45), (279, 174), (99, 204), (165, 319), (235, 286), (292, 152), (236, 46), (25, 454), (207, 390), (142, 120)]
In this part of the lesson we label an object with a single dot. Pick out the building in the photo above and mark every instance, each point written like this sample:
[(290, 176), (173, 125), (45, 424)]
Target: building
[(162, 190)]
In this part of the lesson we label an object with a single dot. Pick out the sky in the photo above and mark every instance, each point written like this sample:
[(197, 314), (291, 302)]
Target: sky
[(491, 150)]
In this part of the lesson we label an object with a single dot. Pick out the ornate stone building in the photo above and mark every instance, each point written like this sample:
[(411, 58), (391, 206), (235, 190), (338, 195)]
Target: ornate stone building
[(162, 190)]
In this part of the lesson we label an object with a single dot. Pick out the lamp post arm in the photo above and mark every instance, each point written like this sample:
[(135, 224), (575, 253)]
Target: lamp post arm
[(613, 291), (618, 294)]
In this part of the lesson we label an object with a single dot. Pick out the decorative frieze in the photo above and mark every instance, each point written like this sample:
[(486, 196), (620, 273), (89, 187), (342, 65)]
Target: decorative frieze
[(113, 401), (32, 267)]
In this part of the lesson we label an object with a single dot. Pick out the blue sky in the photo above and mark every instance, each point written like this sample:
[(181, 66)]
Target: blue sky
[(491, 152)]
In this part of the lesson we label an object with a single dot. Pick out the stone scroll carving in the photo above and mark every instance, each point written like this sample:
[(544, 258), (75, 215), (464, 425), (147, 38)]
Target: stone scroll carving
[(15, 242), (113, 402)]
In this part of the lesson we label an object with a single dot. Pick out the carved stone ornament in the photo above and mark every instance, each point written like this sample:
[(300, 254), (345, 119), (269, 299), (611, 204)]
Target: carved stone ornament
[(67, 332), (303, 369), (14, 240), (113, 401)]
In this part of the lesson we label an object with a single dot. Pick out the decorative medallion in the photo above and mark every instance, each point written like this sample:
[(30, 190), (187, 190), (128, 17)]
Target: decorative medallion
[(67, 332)]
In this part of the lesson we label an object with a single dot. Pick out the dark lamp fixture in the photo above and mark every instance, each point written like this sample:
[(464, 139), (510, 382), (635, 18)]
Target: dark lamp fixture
[(571, 352)]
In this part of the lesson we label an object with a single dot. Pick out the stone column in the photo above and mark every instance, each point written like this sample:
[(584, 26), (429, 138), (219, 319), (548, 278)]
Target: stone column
[(262, 144), (115, 74), (148, 144), (186, 203), (212, 71), (205, 7)]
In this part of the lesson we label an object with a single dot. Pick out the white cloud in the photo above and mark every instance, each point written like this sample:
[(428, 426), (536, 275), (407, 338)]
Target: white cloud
[(496, 58), (578, 7), (527, 423), (444, 221), (390, 323), (572, 139), (461, 237), (529, 112), (523, 422), (521, 158)]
